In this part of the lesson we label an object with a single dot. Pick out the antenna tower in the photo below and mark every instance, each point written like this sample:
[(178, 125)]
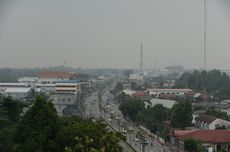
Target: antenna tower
[(205, 45), (205, 34), (141, 58)]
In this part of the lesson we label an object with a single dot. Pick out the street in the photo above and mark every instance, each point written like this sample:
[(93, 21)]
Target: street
[(111, 114)]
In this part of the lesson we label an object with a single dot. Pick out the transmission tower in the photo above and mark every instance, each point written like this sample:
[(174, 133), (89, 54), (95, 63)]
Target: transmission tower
[(205, 46), (205, 34), (141, 58)]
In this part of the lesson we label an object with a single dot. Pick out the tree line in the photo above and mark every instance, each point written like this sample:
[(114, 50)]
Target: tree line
[(213, 82)]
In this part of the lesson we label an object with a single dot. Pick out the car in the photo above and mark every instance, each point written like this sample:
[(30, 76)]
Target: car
[(109, 119), (136, 139), (146, 142), (124, 131), (116, 118)]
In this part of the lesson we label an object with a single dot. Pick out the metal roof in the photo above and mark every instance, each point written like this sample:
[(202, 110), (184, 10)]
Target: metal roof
[(68, 81), (17, 90)]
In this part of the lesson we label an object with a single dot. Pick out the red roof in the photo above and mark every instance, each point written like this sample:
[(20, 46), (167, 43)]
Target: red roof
[(206, 136), (55, 74), (167, 96), (139, 94)]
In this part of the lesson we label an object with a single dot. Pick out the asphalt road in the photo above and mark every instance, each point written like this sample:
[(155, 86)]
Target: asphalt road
[(114, 116), (111, 113)]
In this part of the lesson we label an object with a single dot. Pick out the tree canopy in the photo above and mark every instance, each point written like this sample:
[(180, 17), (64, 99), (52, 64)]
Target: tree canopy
[(151, 117), (192, 145), (41, 130), (38, 128), (214, 82), (181, 114)]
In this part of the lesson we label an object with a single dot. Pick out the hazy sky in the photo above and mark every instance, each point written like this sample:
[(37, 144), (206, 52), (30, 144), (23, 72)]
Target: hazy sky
[(107, 33)]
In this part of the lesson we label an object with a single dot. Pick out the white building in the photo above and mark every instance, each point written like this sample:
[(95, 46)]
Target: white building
[(30, 81), (128, 92), (66, 96), (17, 93), (210, 123), (13, 85), (72, 86), (177, 92), (137, 77), (46, 87)]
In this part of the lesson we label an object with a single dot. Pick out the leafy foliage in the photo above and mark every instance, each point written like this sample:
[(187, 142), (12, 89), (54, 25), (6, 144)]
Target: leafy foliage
[(192, 145), (84, 136), (217, 113), (182, 114), (9, 116), (38, 128), (41, 130), (151, 117)]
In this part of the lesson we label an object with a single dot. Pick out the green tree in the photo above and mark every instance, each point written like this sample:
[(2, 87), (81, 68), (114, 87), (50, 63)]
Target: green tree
[(214, 82), (182, 114), (217, 113), (10, 111), (38, 128), (86, 136), (192, 145)]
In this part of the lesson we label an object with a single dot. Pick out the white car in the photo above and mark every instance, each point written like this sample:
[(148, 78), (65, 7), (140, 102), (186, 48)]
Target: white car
[(136, 139)]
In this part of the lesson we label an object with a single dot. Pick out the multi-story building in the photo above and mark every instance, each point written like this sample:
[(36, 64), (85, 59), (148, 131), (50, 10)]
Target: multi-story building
[(50, 77)]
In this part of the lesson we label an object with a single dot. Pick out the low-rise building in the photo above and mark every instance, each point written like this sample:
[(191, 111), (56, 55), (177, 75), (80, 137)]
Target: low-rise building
[(212, 140), (128, 92), (177, 92), (137, 77), (17, 93), (210, 123), (4, 86), (30, 81)]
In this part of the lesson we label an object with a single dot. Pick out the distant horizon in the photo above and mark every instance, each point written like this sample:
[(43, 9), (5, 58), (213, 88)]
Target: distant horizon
[(107, 34), (109, 68)]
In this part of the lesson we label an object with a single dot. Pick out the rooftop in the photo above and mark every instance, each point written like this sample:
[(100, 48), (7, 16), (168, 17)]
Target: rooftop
[(206, 118), (208, 136), (55, 74), (68, 81), (17, 90), (171, 90), (139, 94)]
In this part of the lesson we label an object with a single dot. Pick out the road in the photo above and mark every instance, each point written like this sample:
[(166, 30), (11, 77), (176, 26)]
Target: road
[(111, 113), (92, 106), (114, 116), (92, 110)]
